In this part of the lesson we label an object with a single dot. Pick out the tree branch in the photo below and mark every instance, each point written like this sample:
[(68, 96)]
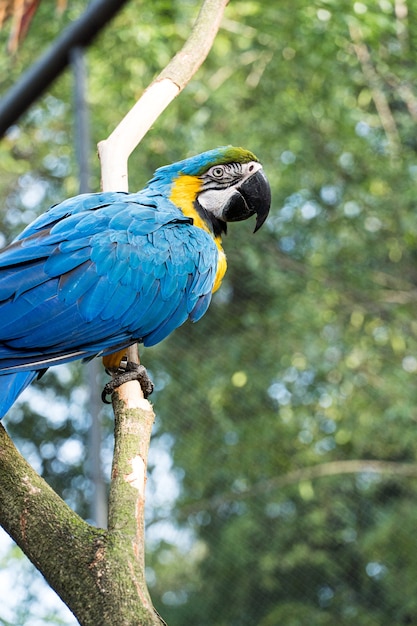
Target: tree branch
[(380, 100), (133, 425), (116, 149), (39, 520), (331, 468), (133, 415)]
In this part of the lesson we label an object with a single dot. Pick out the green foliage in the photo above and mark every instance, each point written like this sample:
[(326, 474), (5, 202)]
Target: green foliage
[(309, 351)]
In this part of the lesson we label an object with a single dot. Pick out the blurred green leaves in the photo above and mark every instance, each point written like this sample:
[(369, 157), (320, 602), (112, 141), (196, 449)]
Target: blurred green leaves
[(308, 353)]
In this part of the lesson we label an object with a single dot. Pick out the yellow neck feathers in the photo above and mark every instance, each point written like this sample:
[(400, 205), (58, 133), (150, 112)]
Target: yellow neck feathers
[(183, 194)]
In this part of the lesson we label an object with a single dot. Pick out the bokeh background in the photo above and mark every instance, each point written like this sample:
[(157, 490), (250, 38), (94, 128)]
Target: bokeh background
[(282, 478)]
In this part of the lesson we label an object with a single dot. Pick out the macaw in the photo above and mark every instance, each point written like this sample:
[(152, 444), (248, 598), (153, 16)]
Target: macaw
[(102, 271)]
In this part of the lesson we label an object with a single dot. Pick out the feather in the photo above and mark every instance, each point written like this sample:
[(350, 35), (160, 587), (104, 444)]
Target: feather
[(99, 271), (12, 386), (77, 282)]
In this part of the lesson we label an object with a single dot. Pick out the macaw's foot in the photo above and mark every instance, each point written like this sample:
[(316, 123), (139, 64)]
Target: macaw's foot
[(131, 371)]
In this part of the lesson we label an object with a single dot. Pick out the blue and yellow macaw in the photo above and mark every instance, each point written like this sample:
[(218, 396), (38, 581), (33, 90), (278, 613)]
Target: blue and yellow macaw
[(102, 271)]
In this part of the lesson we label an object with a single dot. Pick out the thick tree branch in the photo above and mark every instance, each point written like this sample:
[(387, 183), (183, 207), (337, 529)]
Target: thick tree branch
[(97, 573), (39, 521), (133, 425)]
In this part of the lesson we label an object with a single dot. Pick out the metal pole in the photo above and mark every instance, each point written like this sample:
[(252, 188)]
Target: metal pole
[(81, 126), (98, 511), (44, 71), (99, 498)]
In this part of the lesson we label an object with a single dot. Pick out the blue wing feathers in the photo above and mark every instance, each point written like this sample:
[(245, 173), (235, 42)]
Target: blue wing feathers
[(100, 294), (117, 307), (60, 263), (104, 257), (17, 253), (11, 386), (74, 284), (175, 319), (95, 273), (13, 283), (74, 244), (171, 285), (33, 307)]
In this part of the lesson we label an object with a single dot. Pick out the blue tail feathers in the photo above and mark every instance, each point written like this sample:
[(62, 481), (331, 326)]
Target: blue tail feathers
[(11, 386)]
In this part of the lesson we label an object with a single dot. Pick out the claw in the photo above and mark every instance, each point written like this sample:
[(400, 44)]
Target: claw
[(130, 371)]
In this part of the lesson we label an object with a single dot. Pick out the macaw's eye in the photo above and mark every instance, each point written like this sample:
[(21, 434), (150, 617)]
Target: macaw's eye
[(217, 171)]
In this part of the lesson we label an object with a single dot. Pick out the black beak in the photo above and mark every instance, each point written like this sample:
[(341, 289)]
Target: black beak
[(253, 196)]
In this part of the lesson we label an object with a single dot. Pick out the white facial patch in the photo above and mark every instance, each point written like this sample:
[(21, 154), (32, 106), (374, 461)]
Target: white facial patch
[(213, 200)]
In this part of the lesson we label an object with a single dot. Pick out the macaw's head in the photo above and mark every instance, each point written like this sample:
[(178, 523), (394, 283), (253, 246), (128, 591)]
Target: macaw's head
[(223, 185)]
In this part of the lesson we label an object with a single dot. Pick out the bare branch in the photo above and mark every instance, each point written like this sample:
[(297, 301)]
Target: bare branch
[(378, 95), (116, 149), (332, 468), (114, 153), (134, 416)]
